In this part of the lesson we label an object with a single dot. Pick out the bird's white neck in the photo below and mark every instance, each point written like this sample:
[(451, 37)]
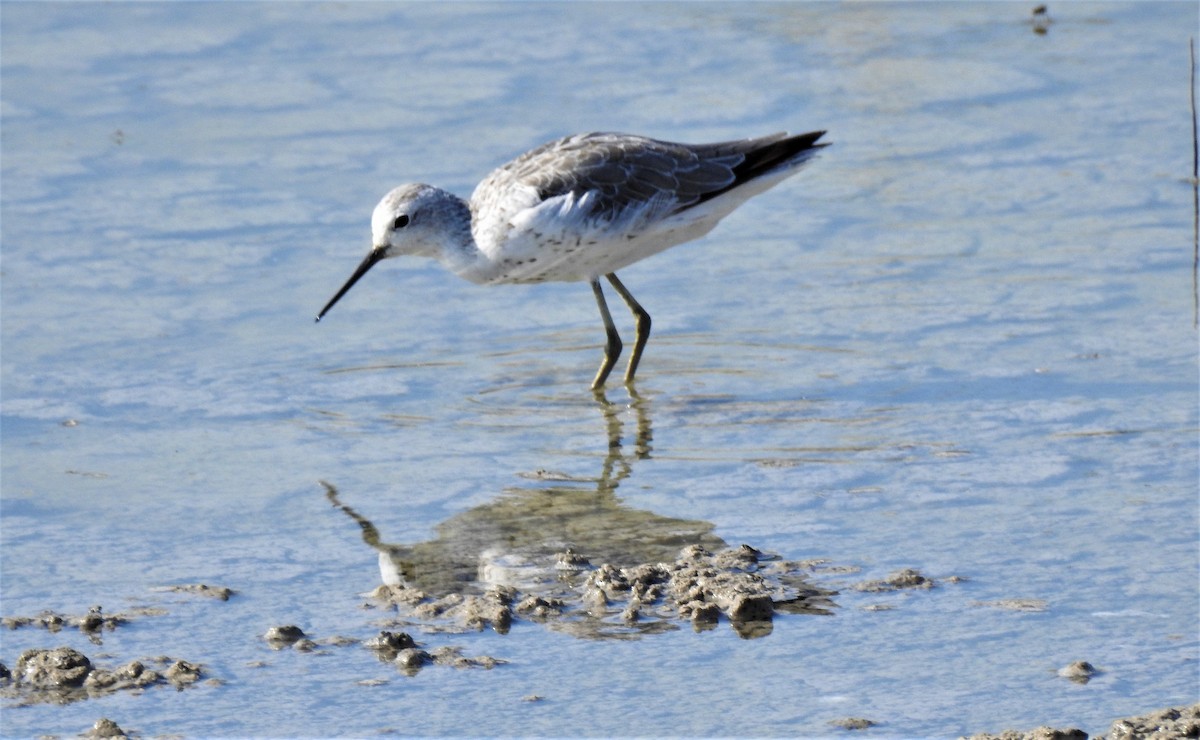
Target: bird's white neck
[(454, 244)]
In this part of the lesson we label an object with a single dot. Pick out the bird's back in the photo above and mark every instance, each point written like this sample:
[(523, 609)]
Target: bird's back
[(589, 204)]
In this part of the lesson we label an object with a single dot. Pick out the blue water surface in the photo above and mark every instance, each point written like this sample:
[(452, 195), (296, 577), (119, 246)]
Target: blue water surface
[(962, 341)]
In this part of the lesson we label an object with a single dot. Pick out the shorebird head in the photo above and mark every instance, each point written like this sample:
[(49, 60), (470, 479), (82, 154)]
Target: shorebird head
[(411, 219)]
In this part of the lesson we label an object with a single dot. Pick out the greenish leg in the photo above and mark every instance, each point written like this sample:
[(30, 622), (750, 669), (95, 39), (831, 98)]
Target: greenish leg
[(642, 326), (612, 350)]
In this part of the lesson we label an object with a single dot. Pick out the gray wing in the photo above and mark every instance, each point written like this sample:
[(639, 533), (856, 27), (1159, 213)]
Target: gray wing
[(628, 172), (631, 176)]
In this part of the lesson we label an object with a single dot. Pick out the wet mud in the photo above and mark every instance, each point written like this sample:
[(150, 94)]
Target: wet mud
[(398, 648), (63, 675), (93, 624), (547, 572), (569, 558), (578, 580), (1164, 724), (737, 585)]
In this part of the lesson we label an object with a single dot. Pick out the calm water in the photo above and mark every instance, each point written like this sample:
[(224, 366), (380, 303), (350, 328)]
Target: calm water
[(962, 341)]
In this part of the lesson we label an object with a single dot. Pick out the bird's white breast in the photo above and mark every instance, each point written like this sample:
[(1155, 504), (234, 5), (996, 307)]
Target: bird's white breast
[(562, 239)]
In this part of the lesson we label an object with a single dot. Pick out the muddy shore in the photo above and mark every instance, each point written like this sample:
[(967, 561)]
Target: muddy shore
[(460, 582), (740, 586)]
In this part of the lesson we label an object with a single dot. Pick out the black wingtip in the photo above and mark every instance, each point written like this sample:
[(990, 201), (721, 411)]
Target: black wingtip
[(766, 158), (801, 142)]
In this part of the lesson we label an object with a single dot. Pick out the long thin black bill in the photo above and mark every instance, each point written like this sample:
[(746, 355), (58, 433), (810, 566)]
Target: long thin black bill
[(372, 257)]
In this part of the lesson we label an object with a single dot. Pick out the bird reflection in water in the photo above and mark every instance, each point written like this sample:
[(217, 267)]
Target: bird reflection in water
[(567, 551)]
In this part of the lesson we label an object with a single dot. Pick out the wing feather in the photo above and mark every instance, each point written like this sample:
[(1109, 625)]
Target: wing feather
[(611, 180)]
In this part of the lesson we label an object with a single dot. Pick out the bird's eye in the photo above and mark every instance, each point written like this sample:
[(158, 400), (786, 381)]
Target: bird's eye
[(401, 221)]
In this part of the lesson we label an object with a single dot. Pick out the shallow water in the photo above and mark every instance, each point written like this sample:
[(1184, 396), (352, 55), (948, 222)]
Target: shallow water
[(961, 341)]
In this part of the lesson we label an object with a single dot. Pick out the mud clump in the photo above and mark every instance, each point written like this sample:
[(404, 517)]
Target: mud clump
[(902, 579), (741, 584), (389, 644), (53, 669), (132, 675), (1079, 672), (540, 608), (467, 611), (1016, 605), (853, 723), (730, 581), (411, 660), (105, 727), (400, 649), (493, 609), (397, 648), (63, 675), (288, 636), (221, 593), (181, 673), (452, 656)]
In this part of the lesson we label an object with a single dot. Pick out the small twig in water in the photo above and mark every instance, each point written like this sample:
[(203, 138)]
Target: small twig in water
[(1195, 192)]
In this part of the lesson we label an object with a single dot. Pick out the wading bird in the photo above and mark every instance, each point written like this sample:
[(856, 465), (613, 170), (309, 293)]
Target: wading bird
[(581, 208)]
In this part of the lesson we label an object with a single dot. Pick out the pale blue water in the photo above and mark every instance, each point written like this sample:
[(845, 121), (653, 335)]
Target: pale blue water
[(962, 341)]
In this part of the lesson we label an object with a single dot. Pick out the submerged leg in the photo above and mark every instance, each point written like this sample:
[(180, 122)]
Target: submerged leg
[(643, 325), (612, 350)]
